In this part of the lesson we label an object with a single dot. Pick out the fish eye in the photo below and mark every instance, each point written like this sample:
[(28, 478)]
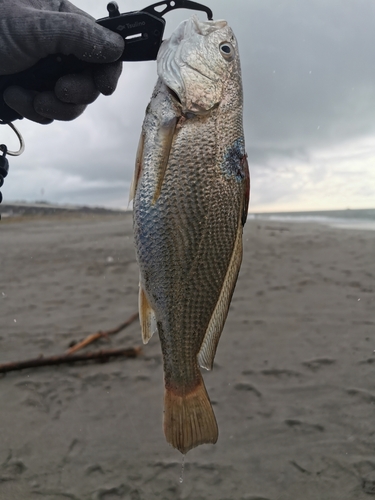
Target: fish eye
[(227, 51)]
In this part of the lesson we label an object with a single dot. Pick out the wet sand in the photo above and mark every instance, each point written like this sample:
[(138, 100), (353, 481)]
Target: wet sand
[(293, 385)]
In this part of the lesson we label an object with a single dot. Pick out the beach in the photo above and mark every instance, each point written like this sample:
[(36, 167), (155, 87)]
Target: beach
[(293, 384)]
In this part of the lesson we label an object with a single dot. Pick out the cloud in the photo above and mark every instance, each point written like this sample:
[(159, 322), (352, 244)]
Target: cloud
[(333, 178), (308, 74)]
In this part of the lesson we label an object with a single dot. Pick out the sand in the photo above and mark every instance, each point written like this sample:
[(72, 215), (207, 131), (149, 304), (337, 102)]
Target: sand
[(293, 386)]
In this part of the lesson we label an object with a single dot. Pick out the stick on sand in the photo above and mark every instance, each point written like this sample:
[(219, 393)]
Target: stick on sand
[(98, 335), (103, 355)]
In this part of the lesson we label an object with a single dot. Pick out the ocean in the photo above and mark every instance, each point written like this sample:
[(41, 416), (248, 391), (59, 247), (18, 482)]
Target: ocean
[(346, 219)]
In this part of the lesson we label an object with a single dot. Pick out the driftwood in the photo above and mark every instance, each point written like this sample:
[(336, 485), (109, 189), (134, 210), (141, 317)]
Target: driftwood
[(98, 335), (70, 357), (102, 356)]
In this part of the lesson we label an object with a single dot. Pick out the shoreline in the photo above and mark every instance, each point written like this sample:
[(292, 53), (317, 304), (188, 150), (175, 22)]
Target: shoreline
[(361, 219), (338, 223)]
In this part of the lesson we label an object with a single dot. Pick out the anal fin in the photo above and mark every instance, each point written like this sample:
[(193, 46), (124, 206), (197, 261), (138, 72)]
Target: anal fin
[(146, 316)]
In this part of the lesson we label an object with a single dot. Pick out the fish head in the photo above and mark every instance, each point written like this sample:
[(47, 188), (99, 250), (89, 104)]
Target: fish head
[(200, 64)]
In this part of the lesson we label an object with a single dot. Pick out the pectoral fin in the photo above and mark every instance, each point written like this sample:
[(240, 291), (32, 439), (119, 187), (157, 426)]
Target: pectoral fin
[(138, 167), (163, 144), (208, 348), (159, 144), (146, 317)]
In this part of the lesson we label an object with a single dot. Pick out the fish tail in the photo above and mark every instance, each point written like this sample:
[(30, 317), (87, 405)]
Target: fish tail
[(189, 419)]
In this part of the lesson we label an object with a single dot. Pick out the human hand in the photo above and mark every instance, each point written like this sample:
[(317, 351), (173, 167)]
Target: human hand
[(33, 29)]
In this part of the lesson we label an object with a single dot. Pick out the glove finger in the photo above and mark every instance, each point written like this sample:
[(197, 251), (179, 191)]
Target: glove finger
[(74, 34), (22, 101), (49, 106), (77, 88), (106, 77), (66, 6), (43, 33)]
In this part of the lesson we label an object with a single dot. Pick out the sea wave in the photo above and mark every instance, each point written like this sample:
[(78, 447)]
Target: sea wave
[(363, 219)]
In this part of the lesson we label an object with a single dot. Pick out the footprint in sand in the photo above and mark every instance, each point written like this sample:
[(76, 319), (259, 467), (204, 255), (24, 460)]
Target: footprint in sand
[(11, 468), (303, 426), (245, 386), (280, 373), (368, 483), (252, 497), (121, 491), (366, 396), (366, 471), (318, 363)]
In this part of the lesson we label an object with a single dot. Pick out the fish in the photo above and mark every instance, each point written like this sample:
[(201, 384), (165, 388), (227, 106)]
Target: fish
[(190, 195)]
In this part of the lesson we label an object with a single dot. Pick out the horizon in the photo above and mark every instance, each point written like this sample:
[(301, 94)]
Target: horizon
[(52, 204)]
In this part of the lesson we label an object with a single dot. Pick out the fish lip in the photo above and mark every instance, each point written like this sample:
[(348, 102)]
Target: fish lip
[(174, 95), (209, 25), (187, 111)]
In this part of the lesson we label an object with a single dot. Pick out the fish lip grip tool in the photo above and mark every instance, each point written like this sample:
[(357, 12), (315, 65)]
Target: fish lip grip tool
[(143, 30), (143, 34)]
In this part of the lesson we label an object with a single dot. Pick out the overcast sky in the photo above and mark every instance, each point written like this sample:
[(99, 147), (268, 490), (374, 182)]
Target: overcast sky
[(309, 83)]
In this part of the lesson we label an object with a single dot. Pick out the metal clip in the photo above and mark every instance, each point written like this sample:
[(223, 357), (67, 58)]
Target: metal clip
[(20, 138), (177, 4)]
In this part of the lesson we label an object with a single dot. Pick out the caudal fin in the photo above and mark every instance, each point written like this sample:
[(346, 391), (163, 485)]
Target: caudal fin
[(189, 419)]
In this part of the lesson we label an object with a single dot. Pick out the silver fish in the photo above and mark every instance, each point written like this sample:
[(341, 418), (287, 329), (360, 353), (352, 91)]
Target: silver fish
[(191, 193)]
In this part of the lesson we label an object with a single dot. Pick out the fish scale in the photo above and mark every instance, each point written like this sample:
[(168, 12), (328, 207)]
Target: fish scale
[(202, 207), (190, 191)]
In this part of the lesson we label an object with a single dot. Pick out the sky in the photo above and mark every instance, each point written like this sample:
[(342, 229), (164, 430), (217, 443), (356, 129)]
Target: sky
[(308, 71)]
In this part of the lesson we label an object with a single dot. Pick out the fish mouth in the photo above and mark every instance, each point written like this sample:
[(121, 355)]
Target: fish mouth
[(195, 109), (174, 95), (206, 27)]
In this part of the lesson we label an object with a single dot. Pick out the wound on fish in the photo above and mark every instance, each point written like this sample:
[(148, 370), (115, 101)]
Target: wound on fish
[(233, 161)]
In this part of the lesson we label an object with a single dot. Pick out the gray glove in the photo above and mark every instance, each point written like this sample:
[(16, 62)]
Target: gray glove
[(33, 29)]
